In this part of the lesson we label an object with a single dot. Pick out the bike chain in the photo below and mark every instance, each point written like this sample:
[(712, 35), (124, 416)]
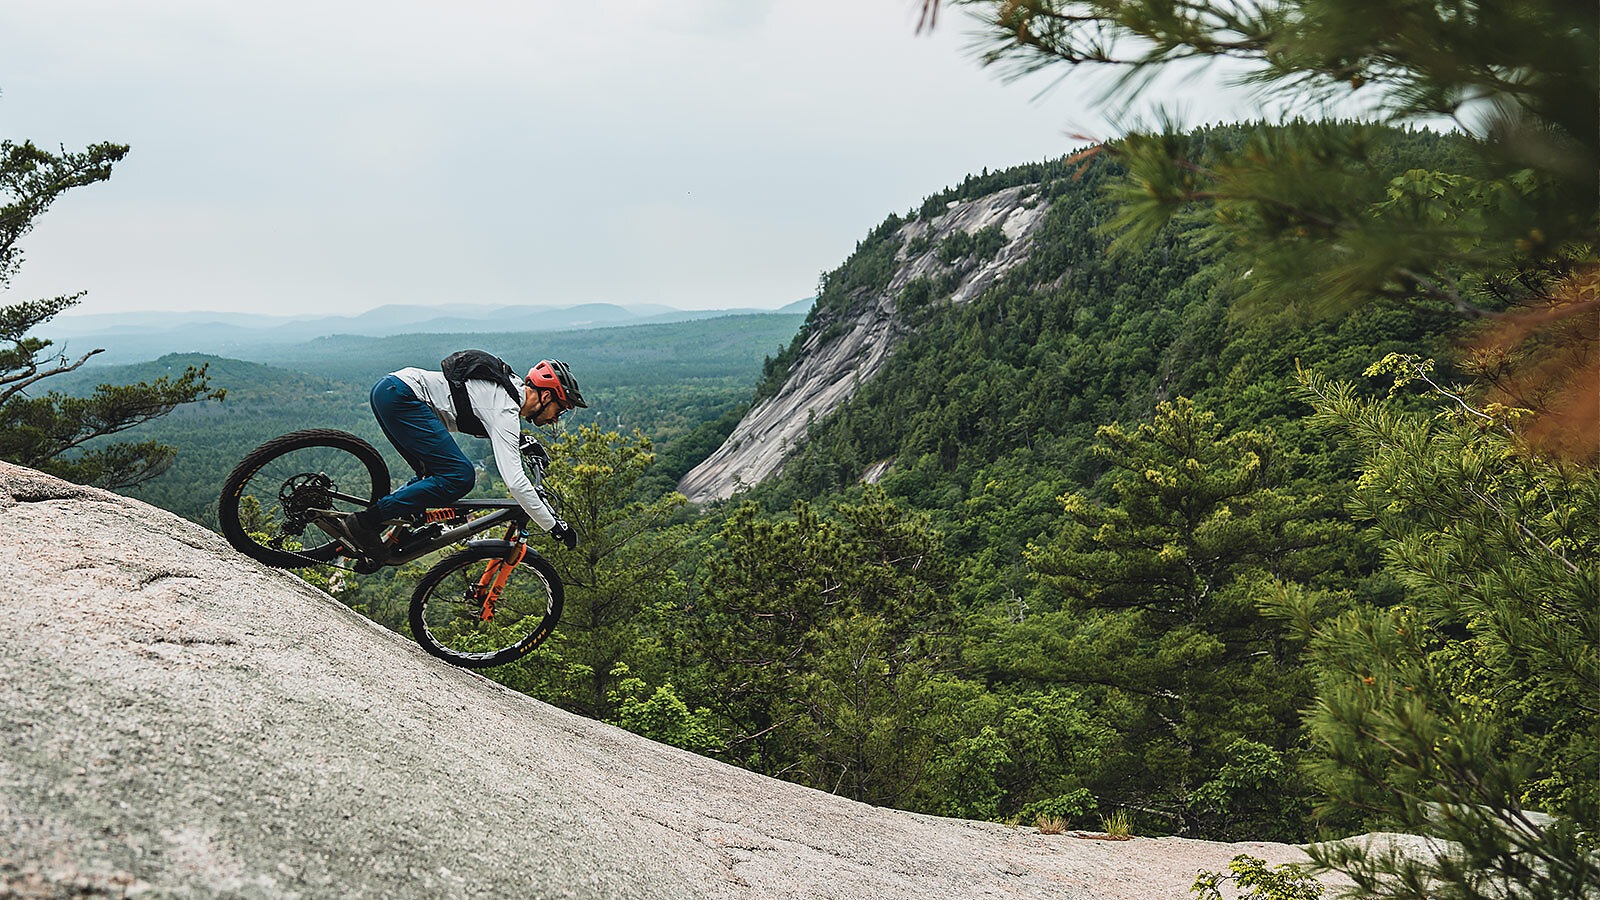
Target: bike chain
[(312, 561)]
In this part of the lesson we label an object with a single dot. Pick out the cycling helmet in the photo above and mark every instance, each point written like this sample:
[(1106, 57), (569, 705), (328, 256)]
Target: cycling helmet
[(555, 375)]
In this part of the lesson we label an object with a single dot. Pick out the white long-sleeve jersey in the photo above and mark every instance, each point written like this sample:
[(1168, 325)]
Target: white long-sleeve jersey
[(501, 417)]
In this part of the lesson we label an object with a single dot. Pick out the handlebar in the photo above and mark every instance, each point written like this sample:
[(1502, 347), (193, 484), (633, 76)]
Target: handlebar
[(533, 451)]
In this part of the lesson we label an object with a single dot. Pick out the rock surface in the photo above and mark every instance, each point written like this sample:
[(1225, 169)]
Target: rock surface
[(178, 721), (830, 369)]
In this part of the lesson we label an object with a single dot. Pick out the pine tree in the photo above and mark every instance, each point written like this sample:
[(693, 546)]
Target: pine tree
[(825, 639), (1166, 573), (52, 432), (1470, 712), (617, 579)]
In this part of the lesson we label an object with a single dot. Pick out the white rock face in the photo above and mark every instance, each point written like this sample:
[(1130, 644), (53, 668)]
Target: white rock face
[(827, 374), (179, 721)]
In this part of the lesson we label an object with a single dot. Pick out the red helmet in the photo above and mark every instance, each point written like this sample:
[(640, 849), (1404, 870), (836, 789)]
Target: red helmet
[(554, 375)]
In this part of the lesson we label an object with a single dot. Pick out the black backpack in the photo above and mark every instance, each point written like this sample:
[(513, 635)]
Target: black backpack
[(466, 365)]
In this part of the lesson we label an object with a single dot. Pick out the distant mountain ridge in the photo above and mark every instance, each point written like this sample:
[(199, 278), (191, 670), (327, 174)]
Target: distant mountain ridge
[(135, 336), (670, 379)]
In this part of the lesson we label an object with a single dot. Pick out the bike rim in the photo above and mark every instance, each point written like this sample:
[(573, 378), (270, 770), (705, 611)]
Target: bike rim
[(275, 502), (453, 611)]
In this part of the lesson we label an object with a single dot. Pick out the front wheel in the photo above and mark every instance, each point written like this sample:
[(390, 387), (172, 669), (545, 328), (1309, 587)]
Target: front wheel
[(272, 498), (456, 616)]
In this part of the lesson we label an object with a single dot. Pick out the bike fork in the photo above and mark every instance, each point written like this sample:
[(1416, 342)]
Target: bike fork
[(494, 577)]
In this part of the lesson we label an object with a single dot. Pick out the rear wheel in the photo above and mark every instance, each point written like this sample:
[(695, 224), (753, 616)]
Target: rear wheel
[(453, 617), (269, 501)]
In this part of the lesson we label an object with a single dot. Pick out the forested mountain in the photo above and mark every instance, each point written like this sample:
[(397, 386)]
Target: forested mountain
[(1107, 548), (1135, 673), (1076, 337)]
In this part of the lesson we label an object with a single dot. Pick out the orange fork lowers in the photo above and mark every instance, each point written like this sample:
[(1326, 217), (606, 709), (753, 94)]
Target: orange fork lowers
[(493, 579)]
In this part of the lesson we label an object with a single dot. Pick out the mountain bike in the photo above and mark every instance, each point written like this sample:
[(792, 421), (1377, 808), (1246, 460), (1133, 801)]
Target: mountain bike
[(487, 604)]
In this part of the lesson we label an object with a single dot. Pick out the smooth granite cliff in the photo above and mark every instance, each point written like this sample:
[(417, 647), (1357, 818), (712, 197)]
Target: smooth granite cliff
[(836, 360)]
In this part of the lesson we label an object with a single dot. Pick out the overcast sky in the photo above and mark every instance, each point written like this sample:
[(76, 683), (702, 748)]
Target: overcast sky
[(310, 156)]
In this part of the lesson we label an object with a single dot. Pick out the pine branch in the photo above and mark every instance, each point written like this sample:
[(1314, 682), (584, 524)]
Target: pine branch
[(32, 375)]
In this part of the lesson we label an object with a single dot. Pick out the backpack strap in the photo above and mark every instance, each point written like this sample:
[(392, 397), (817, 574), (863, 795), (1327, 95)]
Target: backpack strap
[(467, 365)]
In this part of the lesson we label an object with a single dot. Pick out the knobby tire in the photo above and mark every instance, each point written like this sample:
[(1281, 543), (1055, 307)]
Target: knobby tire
[(446, 618), (359, 472)]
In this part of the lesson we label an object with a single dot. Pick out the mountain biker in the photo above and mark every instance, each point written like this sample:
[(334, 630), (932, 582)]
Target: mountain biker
[(474, 393)]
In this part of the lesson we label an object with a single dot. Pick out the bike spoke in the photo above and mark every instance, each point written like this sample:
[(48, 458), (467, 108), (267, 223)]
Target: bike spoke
[(452, 612), (279, 501)]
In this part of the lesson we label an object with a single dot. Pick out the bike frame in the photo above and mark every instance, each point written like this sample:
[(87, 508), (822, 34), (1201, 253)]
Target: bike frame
[(505, 512)]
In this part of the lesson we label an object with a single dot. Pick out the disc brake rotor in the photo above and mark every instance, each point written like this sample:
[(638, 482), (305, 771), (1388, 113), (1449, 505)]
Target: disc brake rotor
[(300, 495)]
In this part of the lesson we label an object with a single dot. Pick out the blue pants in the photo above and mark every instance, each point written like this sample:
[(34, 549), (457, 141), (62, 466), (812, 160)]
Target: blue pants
[(443, 473)]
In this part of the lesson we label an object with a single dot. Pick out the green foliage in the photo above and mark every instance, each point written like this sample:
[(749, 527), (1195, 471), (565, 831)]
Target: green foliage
[(30, 180), (822, 642), (49, 432), (662, 715), (1021, 757), (978, 247), (1162, 581), (615, 580), (1308, 205), (1254, 791), (972, 768), (1464, 710), (864, 698), (1117, 825), (1194, 506), (1254, 881), (1074, 805)]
